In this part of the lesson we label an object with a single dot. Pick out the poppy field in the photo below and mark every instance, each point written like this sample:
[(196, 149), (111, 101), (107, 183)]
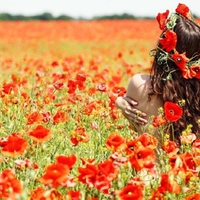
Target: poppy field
[(61, 136)]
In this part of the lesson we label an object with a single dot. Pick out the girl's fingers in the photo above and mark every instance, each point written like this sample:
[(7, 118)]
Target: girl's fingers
[(135, 115), (138, 120), (135, 111), (131, 101)]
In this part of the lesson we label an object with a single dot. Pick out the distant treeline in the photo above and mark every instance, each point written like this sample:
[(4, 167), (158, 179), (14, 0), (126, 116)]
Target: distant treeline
[(49, 16)]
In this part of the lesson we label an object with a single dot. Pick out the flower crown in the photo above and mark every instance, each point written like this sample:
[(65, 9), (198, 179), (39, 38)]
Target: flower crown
[(188, 67)]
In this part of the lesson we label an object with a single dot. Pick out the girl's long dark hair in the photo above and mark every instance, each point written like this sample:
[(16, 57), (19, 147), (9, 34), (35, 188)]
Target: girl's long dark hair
[(178, 88)]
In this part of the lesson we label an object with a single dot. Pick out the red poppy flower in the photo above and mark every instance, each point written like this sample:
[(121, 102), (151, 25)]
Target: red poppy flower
[(188, 162), (182, 9), (180, 60), (130, 192), (143, 158), (168, 185), (188, 73), (46, 116), (60, 117), (9, 87), (169, 42), (196, 151), (81, 77), (115, 142), (88, 175), (58, 85), (89, 108), (120, 91), (159, 121), (108, 169), (40, 134), (72, 85), (79, 135), (195, 196), (195, 69), (73, 195), (102, 87), (15, 145), (170, 147), (66, 160), (55, 64), (34, 117), (41, 194), (10, 186), (55, 175), (196, 144), (173, 112), (162, 19), (102, 183), (147, 140)]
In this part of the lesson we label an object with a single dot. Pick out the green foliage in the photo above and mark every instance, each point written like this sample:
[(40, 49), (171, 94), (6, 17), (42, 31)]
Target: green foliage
[(49, 16), (44, 16)]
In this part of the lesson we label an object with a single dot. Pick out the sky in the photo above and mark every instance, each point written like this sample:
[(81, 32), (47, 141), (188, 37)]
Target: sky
[(91, 8)]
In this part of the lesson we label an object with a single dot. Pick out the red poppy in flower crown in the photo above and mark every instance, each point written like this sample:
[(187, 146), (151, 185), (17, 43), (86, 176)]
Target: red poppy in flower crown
[(173, 112), (182, 9), (180, 60), (162, 19), (188, 73), (195, 69), (169, 41)]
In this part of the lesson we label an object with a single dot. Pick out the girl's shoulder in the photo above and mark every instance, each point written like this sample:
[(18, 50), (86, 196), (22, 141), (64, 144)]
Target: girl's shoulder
[(139, 83), (138, 89)]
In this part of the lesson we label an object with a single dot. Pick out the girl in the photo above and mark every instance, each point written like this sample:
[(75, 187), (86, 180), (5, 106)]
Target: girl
[(174, 77)]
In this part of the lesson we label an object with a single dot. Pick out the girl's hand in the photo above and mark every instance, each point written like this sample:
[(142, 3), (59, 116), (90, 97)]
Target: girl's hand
[(127, 106)]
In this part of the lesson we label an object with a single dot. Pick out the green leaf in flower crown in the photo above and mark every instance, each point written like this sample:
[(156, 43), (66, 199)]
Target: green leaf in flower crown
[(162, 58), (172, 22)]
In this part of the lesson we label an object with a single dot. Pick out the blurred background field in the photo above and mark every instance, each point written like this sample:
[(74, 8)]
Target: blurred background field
[(114, 42)]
